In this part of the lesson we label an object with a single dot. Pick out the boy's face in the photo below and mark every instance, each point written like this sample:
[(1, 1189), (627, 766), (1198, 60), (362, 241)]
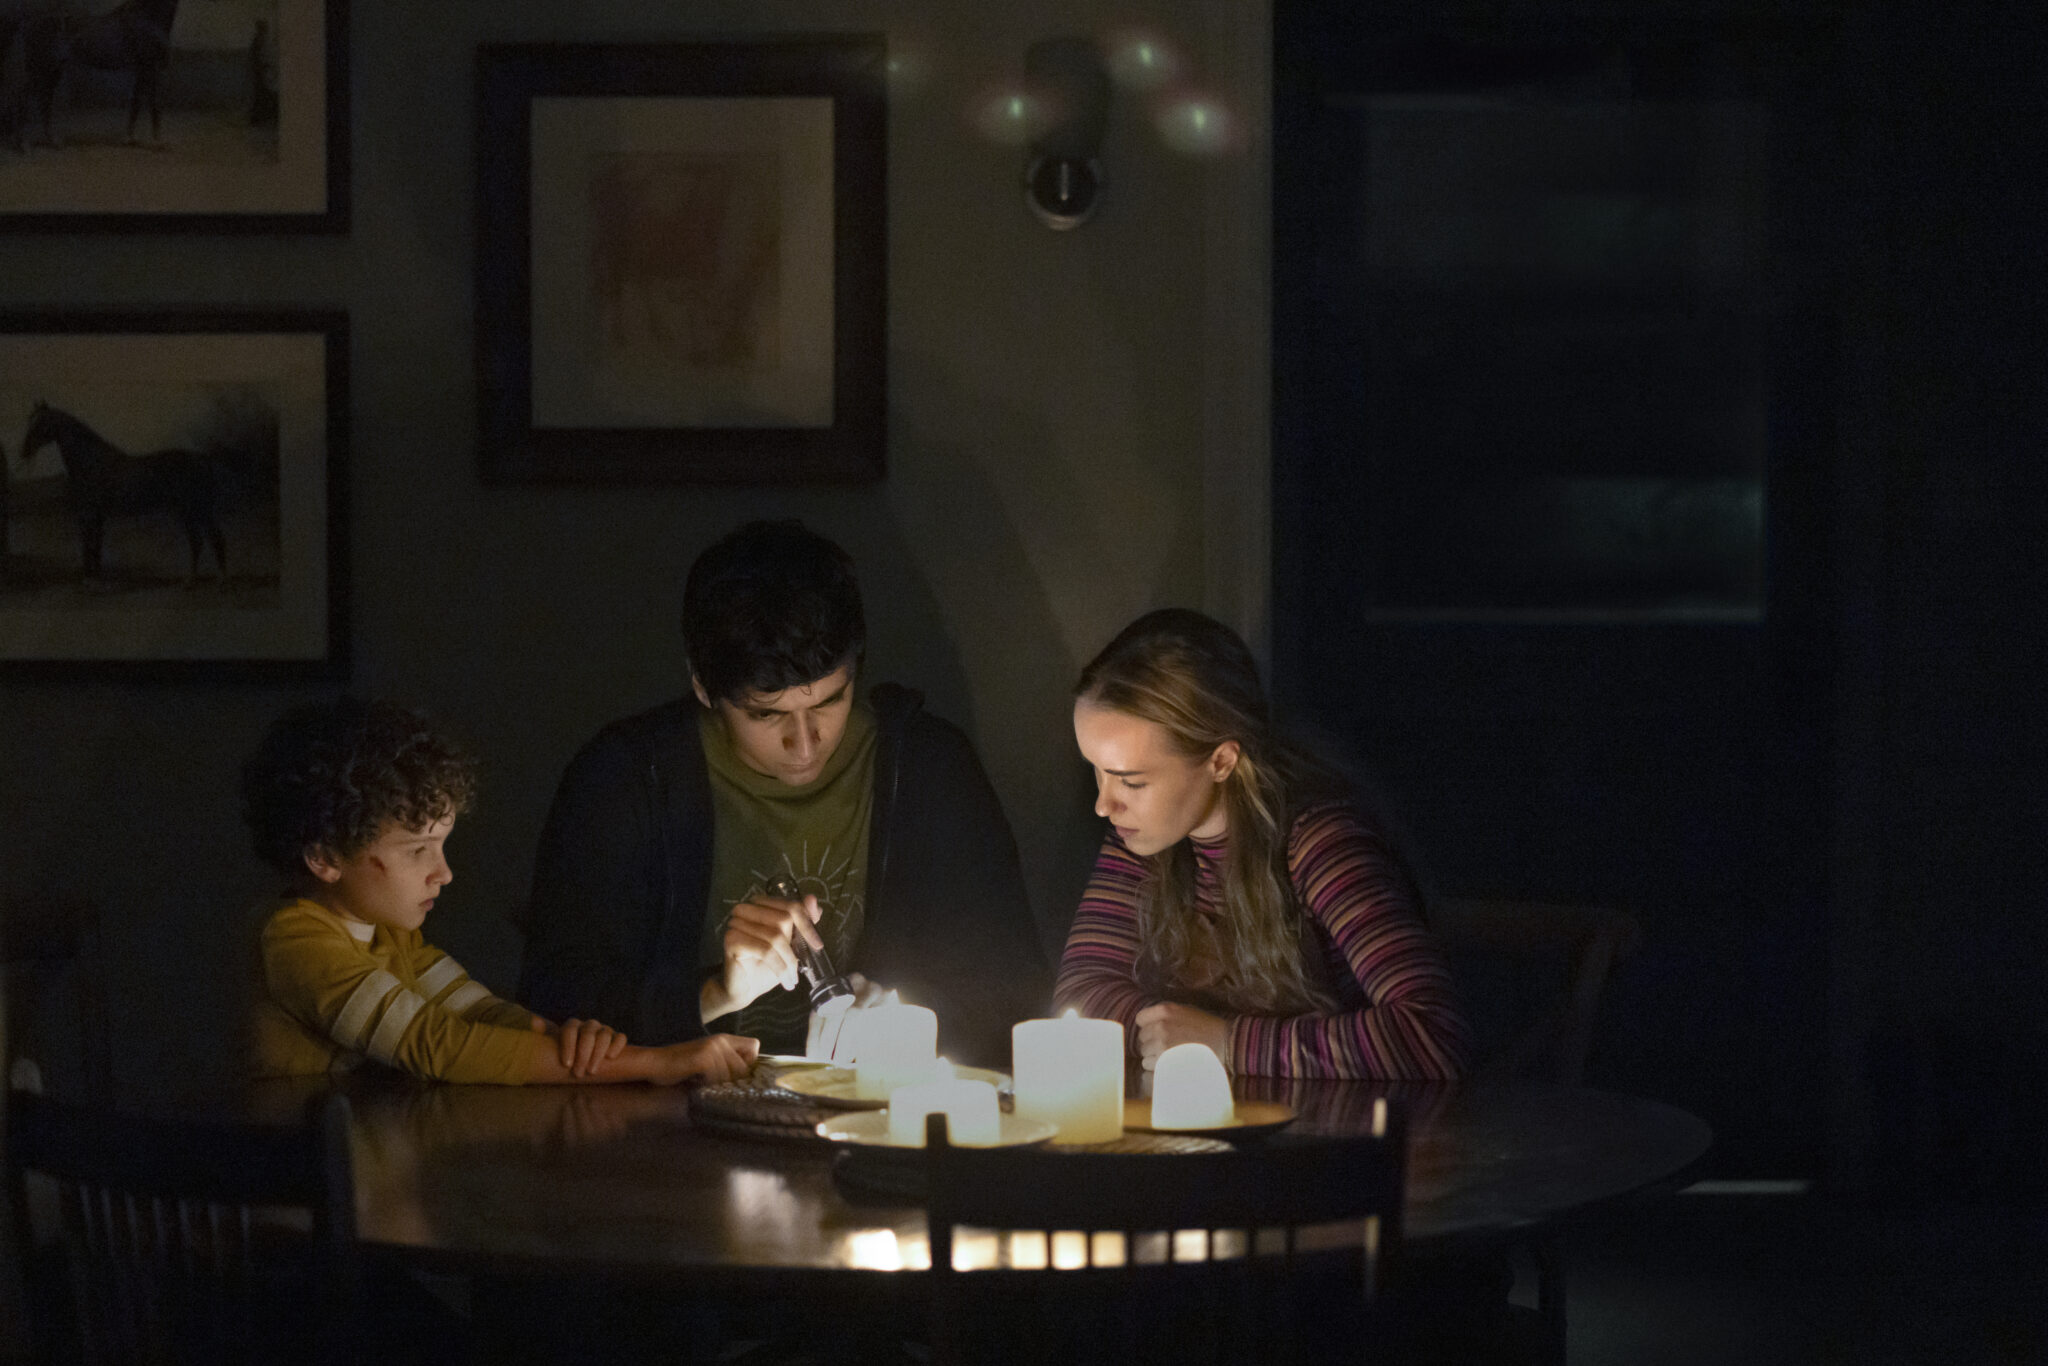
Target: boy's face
[(792, 734), (392, 880)]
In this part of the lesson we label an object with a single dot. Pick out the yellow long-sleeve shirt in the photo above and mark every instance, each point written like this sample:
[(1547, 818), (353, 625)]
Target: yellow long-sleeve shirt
[(332, 996)]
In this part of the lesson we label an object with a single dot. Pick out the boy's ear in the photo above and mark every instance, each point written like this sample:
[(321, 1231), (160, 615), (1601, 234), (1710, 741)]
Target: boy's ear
[(321, 863), (698, 688)]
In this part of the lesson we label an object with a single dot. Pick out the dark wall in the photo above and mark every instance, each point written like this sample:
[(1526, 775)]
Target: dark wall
[(1828, 818), (1045, 484), (1943, 833)]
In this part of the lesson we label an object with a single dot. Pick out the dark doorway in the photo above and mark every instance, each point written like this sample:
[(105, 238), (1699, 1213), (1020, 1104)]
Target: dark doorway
[(1554, 450)]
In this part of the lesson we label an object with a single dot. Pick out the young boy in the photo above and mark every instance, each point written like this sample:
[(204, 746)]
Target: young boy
[(353, 801)]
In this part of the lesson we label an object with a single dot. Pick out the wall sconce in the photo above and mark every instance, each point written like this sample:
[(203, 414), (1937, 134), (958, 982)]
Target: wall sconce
[(1063, 180)]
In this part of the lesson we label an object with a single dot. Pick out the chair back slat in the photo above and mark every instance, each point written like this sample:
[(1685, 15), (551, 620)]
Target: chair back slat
[(1282, 1185), (1559, 957), (1232, 1281), (186, 1241)]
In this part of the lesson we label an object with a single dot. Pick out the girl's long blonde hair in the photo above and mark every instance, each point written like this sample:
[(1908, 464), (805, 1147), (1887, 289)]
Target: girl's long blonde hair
[(1192, 676)]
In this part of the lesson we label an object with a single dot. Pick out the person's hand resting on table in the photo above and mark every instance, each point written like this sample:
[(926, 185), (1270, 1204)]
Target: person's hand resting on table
[(1167, 1023), (591, 1052)]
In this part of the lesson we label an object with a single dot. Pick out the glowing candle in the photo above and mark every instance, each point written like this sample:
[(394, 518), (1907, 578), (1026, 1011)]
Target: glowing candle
[(893, 1045), (1070, 1072), (825, 1033), (969, 1107), (1190, 1089)]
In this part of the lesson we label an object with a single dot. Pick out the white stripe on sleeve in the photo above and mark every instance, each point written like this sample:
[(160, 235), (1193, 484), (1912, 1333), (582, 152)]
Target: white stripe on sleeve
[(397, 1015), (354, 1021), (465, 996), (436, 978)]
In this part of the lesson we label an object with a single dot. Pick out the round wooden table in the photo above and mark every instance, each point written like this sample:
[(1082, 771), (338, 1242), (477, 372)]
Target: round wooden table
[(616, 1180)]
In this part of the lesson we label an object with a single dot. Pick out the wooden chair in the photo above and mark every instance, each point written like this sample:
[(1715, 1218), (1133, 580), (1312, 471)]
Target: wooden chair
[(50, 950), (1556, 959), (1160, 1257), (152, 1240), (1561, 956)]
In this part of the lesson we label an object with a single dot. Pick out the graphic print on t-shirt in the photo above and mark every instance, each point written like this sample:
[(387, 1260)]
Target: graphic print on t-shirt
[(779, 1016)]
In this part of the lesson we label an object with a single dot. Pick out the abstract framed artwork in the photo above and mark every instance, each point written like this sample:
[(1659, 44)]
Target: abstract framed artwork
[(174, 116), (174, 500), (681, 262)]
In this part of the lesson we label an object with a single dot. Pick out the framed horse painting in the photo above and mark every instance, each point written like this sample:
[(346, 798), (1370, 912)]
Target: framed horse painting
[(174, 115), (681, 262), (173, 500)]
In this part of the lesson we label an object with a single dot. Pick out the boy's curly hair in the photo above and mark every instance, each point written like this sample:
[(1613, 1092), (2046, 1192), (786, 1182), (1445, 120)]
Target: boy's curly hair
[(328, 775)]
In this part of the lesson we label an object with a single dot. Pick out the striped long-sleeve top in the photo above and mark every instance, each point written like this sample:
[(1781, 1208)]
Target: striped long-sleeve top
[(1397, 1015), (335, 993)]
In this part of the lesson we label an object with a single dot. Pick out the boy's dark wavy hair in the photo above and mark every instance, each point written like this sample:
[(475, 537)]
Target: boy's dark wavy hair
[(329, 775), (771, 605)]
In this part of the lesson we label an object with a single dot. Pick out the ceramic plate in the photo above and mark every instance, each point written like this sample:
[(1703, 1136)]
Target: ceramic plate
[(1253, 1117), (834, 1085), (871, 1127)]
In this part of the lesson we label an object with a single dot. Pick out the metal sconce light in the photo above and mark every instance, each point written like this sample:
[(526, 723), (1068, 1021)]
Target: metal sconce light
[(1063, 181)]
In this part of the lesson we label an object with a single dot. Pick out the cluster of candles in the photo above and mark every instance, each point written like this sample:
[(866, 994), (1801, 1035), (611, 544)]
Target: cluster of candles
[(1069, 1072)]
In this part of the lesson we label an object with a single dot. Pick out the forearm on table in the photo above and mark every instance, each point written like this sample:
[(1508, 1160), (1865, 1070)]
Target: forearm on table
[(1393, 1041), (634, 1063)]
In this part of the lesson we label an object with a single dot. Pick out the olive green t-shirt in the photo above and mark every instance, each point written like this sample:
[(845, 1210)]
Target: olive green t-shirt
[(816, 835)]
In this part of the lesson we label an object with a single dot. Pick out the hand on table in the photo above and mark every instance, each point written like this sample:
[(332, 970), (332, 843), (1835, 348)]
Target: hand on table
[(1167, 1023), (582, 1045), (716, 1057), (758, 955), (585, 1045)]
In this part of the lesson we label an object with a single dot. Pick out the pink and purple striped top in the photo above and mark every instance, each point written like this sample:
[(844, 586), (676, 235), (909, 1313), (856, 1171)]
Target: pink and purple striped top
[(1397, 1016)]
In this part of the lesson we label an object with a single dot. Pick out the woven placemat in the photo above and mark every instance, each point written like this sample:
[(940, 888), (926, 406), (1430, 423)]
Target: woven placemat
[(756, 1106)]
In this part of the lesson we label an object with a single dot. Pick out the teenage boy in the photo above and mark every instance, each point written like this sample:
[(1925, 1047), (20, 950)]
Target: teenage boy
[(650, 901), (353, 802)]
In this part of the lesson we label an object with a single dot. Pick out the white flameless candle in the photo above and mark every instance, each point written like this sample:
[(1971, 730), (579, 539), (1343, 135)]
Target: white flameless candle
[(1070, 1073), (972, 1120), (1190, 1089), (895, 1045)]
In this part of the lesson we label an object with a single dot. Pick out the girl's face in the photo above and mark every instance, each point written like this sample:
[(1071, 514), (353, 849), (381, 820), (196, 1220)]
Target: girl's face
[(1154, 795)]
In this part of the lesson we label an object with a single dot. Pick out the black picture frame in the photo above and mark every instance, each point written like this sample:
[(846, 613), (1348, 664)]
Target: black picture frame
[(222, 168), (239, 422), (586, 376)]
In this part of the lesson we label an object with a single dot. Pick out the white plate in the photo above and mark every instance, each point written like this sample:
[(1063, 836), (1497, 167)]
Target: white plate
[(834, 1085), (871, 1127)]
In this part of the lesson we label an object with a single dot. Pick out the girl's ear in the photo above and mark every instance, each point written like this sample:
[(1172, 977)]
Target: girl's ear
[(321, 863), (1223, 760)]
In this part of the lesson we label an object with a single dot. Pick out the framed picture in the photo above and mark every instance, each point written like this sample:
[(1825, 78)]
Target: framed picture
[(174, 499), (681, 262), (162, 116)]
